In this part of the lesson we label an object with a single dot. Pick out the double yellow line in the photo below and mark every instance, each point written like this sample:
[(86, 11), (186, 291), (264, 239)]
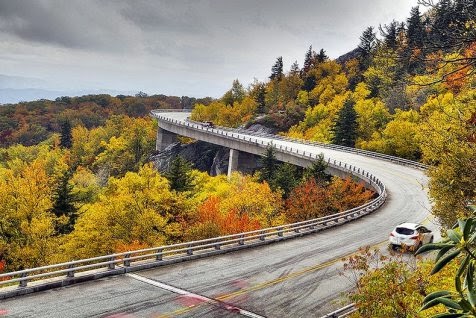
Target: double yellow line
[(269, 283)]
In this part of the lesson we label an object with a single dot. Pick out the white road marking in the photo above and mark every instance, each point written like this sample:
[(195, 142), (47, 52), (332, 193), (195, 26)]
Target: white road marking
[(195, 296)]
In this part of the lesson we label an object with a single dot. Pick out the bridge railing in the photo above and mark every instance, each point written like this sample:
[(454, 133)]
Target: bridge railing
[(368, 153), (172, 110), (342, 312)]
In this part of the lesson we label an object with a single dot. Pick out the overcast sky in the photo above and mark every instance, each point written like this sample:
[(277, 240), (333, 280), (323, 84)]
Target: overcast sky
[(175, 47)]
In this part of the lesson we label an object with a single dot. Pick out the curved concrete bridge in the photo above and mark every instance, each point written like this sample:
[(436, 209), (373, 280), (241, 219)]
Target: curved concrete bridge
[(298, 277)]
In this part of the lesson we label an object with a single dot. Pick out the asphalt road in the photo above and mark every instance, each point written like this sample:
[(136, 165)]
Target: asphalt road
[(294, 278)]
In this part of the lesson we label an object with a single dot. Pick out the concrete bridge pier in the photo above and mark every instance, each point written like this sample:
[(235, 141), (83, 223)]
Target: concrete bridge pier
[(233, 161), (164, 139), (244, 162)]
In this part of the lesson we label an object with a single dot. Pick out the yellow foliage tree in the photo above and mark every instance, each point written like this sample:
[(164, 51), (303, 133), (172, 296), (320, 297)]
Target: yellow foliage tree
[(399, 136), (27, 227), (448, 142), (138, 208)]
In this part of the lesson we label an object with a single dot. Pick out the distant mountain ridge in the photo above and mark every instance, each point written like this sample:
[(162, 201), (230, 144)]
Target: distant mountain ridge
[(15, 95)]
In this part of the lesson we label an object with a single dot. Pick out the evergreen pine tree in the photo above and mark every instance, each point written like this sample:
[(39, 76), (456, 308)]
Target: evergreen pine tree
[(287, 177), (179, 174), (64, 203), (318, 171), (270, 165), (415, 29), (416, 36), (368, 42), (308, 77), (310, 82), (389, 33), (66, 137), (308, 60), (260, 98), (345, 128), (322, 56), (294, 68), (277, 69)]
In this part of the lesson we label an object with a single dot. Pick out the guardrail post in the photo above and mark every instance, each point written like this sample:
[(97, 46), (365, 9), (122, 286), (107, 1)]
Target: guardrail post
[(158, 257), (111, 265), (127, 261), (24, 282), (262, 237), (70, 273), (242, 241), (189, 250), (217, 246), (296, 230), (280, 232)]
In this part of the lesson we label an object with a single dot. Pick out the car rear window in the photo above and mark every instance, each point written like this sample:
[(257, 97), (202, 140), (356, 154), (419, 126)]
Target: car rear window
[(404, 231)]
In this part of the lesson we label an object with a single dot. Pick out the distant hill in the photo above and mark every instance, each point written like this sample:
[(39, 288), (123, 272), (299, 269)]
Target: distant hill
[(12, 95), (354, 54), (16, 95), (28, 123)]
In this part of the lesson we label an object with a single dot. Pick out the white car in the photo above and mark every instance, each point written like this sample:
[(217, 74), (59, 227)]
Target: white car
[(410, 235)]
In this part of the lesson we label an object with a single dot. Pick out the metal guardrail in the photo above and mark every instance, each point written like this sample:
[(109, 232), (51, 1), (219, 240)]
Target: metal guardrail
[(231, 134), (368, 153), (342, 312), (120, 263), (172, 110)]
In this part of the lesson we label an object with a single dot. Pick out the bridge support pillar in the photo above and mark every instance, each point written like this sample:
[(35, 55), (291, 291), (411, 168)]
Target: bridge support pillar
[(164, 139), (233, 161)]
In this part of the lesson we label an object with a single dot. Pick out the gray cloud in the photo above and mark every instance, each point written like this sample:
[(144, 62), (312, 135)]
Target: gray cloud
[(71, 24), (194, 47)]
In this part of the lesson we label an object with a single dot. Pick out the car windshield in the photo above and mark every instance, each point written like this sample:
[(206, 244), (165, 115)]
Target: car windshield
[(404, 231)]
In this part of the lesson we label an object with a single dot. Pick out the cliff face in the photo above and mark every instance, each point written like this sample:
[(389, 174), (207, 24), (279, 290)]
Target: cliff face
[(205, 157)]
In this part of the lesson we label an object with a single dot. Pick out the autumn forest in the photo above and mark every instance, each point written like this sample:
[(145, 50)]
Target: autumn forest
[(78, 178)]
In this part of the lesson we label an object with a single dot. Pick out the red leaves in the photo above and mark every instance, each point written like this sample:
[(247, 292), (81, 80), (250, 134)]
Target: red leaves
[(228, 222), (309, 200)]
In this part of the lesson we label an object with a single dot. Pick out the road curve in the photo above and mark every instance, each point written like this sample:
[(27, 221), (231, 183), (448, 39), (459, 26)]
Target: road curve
[(298, 277)]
